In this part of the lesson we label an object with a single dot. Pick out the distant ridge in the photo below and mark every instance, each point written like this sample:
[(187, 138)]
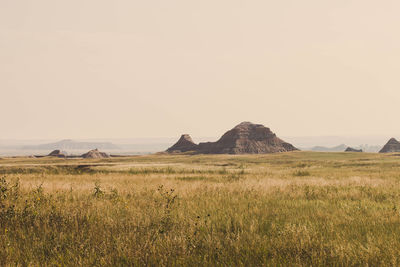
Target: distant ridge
[(245, 138), (339, 148), (69, 144)]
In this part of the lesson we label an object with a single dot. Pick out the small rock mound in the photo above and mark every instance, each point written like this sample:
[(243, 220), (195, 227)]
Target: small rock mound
[(350, 149), (392, 146), (184, 144), (58, 153), (95, 154)]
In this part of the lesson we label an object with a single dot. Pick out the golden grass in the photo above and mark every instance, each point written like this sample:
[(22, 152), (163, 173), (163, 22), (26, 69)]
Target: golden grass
[(292, 209)]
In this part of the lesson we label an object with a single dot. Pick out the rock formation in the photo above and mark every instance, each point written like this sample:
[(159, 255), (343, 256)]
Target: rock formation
[(95, 154), (350, 149), (184, 144), (392, 146), (245, 138), (58, 153)]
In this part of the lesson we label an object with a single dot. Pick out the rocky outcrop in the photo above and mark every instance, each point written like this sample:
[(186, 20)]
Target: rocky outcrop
[(245, 138), (184, 144), (58, 153), (350, 149), (392, 146), (95, 154)]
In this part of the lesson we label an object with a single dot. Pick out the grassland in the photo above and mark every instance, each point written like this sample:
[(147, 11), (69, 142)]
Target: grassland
[(290, 209)]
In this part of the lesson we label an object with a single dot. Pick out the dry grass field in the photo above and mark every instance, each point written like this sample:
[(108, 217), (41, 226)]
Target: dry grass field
[(289, 209)]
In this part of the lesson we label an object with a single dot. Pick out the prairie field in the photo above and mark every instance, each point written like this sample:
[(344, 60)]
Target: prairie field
[(287, 209)]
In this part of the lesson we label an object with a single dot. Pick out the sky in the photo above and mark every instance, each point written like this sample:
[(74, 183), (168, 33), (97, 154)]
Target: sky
[(129, 69)]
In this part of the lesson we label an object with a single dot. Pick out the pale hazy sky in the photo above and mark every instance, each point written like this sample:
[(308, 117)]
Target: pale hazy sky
[(125, 68)]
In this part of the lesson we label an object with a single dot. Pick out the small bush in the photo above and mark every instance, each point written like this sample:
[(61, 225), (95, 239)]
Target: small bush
[(98, 192), (301, 173)]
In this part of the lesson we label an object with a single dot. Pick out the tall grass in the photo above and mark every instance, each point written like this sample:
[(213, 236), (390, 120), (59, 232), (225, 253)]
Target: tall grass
[(254, 211)]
